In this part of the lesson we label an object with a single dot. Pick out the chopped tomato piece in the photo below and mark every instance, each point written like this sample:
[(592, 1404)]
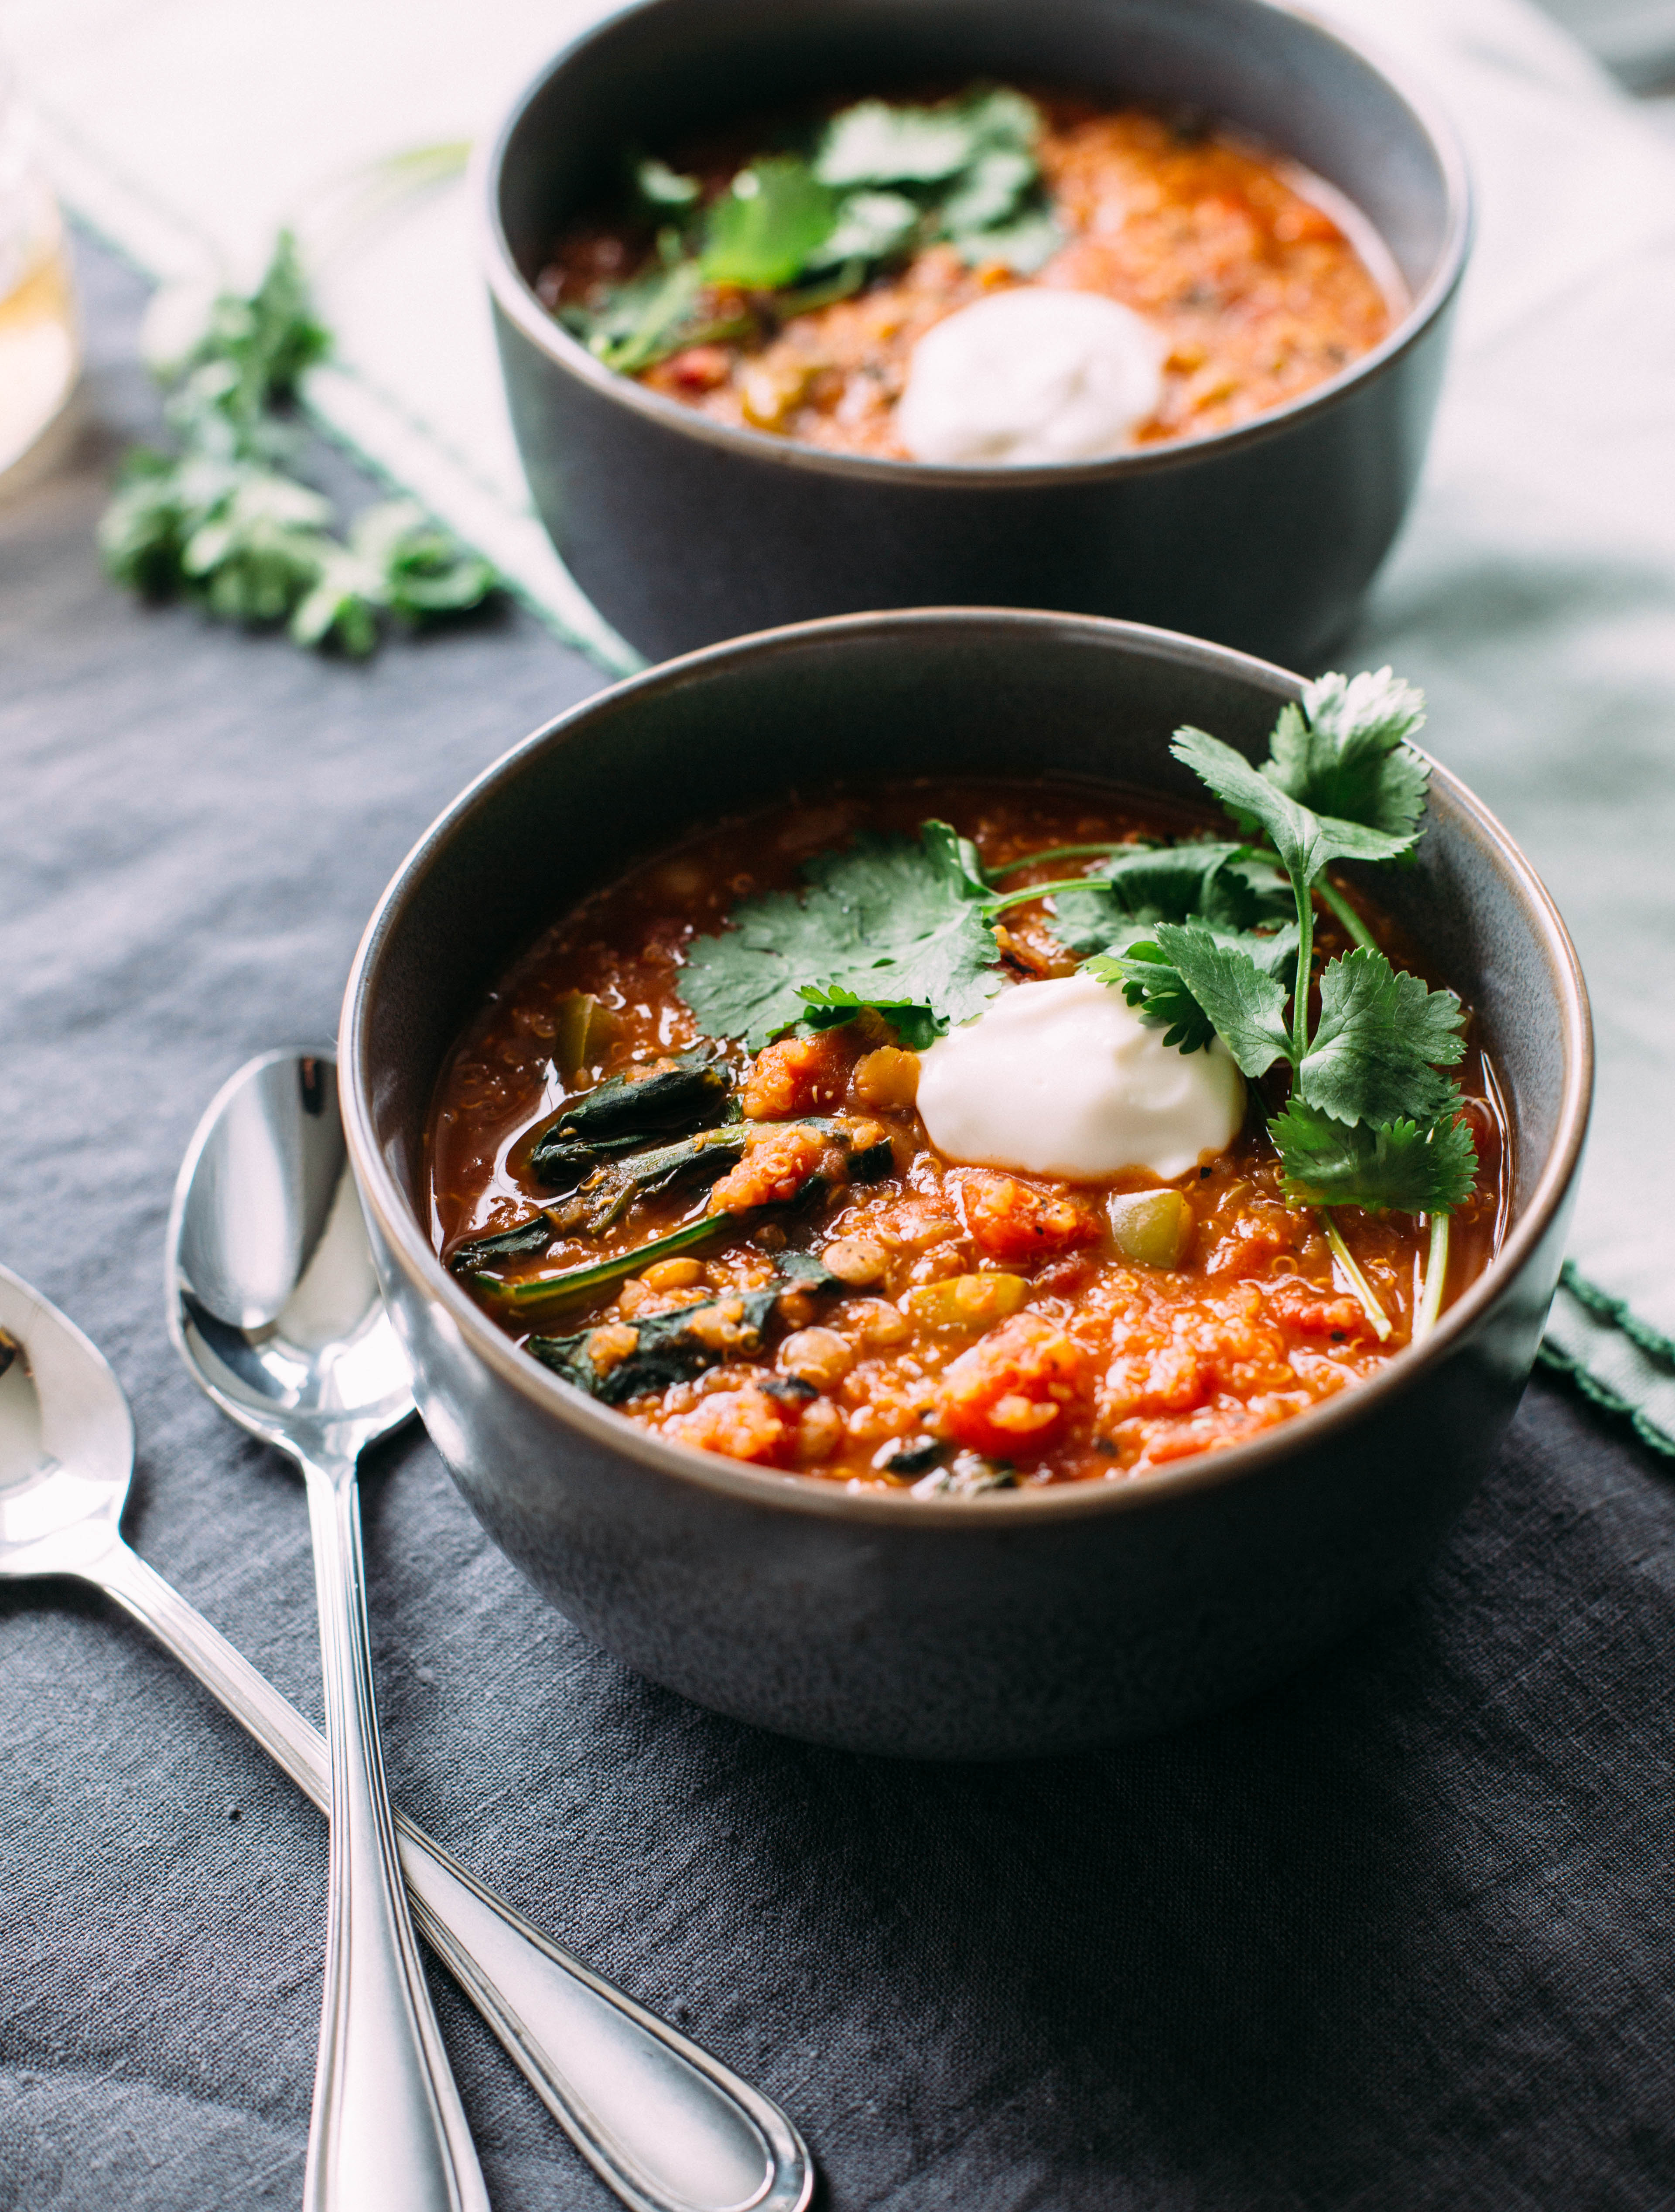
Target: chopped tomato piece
[(1012, 1394), (775, 1169), (1302, 223), (1013, 1220), (700, 369), (1316, 1310), (746, 1423), (798, 1075)]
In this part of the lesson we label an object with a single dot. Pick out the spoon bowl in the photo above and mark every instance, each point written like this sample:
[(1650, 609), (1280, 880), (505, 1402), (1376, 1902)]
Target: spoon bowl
[(66, 1440), (274, 1305)]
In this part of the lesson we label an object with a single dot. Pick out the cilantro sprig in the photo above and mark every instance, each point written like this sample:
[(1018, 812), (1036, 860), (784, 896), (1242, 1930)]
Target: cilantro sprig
[(1210, 938), (223, 519), (891, 923), (796, 230), (1372, 1119)]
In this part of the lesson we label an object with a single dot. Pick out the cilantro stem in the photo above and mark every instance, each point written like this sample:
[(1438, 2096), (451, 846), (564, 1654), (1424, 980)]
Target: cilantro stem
[(1305, 972), (1059, 853), (1436, 1276), (1347, 915), (1039, 891), (1357, 1282)]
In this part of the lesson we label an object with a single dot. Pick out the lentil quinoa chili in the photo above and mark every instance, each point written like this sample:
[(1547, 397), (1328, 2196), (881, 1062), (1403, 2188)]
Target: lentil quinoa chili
[(833, 1293), (1255, 281)]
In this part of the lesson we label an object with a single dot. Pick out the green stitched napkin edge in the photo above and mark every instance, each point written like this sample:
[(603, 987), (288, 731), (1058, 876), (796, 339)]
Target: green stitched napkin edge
[(1613, 1358)]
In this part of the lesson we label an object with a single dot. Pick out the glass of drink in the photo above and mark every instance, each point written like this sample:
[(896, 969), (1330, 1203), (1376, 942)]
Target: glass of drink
[(39, 353)]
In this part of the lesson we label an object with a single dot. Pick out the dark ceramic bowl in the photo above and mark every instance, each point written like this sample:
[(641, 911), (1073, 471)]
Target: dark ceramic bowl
[(682, 530), (1022, 1622)]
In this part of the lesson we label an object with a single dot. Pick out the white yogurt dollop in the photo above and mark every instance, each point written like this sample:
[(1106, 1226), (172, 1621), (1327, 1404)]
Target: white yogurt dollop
[(1064, 1078), (1031, 376)]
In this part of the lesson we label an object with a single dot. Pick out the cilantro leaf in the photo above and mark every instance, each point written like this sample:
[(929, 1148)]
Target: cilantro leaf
[(260, 549), (955, 860), (828, 1006), (1022, 246), (879, 142), (1380, 1031), (425, 571), (1341, 752), (1401, 1167), (764, 226), (989, 191), (1225, 885), (642, 320), (259, 345), (1305, 842), (1245, 1001), (888, 923), (1149, 980), (224, 520), (1153, 976), (869, 226)]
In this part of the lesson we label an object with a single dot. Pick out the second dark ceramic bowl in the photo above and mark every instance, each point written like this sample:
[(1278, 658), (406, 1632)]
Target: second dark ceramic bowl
[(682, 530), (1027, 1620)]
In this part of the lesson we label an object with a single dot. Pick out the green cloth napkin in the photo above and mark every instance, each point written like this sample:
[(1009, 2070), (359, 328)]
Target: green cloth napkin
[(1532, 596)]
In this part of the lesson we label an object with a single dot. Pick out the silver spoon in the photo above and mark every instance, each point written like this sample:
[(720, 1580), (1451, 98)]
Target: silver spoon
[(275, 1308), (666, 2125)]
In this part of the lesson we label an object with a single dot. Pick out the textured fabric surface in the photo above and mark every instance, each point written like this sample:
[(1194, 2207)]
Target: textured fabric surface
[(1396, 1934)]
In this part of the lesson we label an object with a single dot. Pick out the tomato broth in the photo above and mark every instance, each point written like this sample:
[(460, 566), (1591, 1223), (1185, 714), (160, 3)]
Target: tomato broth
[(862, 1308), (1259, 280)]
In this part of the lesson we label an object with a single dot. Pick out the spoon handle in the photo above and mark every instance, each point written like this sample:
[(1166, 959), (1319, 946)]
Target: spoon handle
[(388, 2132), (664, 2125)]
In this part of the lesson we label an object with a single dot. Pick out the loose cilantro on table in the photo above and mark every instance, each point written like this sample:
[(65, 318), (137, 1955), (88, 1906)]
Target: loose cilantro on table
[(225, 520), (882, 180)]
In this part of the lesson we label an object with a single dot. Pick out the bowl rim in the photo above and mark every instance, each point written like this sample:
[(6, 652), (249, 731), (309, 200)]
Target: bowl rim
[(399, 1222), (516, 300)]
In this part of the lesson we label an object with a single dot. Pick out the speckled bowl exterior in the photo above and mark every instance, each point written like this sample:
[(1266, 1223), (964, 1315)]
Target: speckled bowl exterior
[(682, 530), (1020, 1622)]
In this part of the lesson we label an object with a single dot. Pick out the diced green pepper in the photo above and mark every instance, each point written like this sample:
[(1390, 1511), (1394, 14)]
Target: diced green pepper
[(1152, 1228)]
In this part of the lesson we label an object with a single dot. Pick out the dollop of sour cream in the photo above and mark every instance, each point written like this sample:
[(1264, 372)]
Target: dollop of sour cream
[(1064, 1078), (1029, 376)]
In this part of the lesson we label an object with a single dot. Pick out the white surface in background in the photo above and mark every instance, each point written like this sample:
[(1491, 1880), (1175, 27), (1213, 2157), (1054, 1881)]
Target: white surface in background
[(1533, 595), (187, 131)]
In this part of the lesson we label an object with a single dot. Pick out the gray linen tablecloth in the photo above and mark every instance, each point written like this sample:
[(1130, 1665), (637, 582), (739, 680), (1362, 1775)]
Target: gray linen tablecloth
[(1398, 1934)]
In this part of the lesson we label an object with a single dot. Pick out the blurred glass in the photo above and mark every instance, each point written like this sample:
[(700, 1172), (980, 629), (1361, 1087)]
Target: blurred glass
[(38, 350)]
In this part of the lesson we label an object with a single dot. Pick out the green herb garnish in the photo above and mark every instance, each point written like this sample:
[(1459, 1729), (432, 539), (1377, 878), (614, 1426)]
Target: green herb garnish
[(884, 179), (1231, 887), (891, 924), (767, 225), (224, 521), (1371, 1120)]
